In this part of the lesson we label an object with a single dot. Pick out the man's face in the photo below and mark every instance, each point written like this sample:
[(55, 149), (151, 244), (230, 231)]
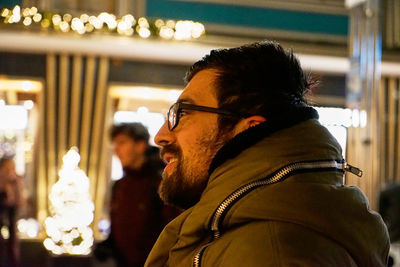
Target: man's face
[(127, 150), (191, 146)]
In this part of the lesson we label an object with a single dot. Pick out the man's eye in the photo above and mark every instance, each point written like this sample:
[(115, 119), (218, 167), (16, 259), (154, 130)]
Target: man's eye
[(182, 113)]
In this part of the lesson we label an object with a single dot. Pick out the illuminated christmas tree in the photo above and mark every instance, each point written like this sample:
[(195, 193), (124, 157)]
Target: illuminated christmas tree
[(71, 210)]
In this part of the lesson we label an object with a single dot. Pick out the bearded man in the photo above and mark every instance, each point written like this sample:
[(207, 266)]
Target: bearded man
[(261, 180)]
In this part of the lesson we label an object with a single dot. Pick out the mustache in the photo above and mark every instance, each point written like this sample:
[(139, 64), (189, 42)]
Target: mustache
[(171, 149)]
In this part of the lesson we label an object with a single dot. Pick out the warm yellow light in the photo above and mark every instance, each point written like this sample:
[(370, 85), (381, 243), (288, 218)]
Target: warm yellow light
[(31, 233), (72, 209), (159, 23), (123, 26), (170, 23), (129, 18), (29, 227), (56, 19), (142, 110), (166, 32), (183, 30), (20, 85), (45, 23), (112, 24), (144, 32), (89, 27), (129, 32), (78, 26), (17, 10), (197, 30), (109, 19), (28, 104), (37, 17), (84, 18), (67, 17), (33, 11), (168, 95), (49, 244), (28, 145), (143, 23), (5, 12), (173, 95), (25, 12), (16, 15), (5, 232), (26, 86), (126, 25), (64, 26), (27, 21), (97, 23)]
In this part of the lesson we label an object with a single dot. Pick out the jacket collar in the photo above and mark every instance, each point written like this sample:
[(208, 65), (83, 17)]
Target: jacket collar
[(254, 134)]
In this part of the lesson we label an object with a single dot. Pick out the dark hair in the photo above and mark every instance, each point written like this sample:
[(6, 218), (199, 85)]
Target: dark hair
[(134, 130), (4, 159), (259, 78)]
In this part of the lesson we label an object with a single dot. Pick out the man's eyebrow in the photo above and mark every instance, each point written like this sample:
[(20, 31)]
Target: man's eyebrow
[(185, 100)]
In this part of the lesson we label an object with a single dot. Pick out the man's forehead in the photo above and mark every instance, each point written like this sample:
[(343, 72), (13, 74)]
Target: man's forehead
[(200, 89), (122, 136)]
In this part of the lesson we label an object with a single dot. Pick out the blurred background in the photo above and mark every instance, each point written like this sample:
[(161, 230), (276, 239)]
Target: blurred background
[(70, 69)]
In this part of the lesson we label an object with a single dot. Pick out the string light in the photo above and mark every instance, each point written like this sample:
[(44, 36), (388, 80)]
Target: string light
[(56, 19), (5, 12), (64, 26), (126, 25), (16, 15), (37, 17), (33, 11), (28, 227), (27, 21), (78, 26), (67, 17), (26, 12), (84, 18)]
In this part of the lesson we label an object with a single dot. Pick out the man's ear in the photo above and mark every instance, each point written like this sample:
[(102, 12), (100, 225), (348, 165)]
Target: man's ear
[(248, 122)]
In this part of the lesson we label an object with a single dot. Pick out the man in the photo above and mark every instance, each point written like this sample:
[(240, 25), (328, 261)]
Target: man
[(261, 179), (137, 213)]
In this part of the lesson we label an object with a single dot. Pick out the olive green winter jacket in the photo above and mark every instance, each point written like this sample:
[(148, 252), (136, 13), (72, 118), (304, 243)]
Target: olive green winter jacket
[(261, 209)]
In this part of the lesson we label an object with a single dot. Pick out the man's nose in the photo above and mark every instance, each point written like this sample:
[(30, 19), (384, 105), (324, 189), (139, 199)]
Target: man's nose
[(164, 135)]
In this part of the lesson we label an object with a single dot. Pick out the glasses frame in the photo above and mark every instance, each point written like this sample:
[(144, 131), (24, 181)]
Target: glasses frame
[(179, 106)]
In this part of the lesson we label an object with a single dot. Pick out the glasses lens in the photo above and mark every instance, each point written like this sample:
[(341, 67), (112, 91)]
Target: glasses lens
[(172, 116)]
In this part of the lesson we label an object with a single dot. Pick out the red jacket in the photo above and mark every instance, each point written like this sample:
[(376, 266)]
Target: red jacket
[(137, 213)]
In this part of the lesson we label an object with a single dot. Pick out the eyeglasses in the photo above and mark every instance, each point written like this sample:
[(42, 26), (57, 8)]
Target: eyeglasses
[(175, 110)]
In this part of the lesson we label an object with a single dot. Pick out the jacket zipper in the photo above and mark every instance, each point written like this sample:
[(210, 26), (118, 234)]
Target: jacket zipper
[(280, 175)]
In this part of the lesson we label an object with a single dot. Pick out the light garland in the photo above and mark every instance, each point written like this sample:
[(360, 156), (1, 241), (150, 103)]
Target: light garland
[(28, 227), (127, 25), (72, 210)]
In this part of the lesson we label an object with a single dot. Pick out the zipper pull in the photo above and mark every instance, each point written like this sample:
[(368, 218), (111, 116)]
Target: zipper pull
[(354, 170)]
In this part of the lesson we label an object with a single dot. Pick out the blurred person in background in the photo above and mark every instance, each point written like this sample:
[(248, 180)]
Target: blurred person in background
[(137, 213), (12, 197), (389, 208)]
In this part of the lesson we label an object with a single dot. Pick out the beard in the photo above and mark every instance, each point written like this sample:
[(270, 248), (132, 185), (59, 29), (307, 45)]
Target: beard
[(184, 186)]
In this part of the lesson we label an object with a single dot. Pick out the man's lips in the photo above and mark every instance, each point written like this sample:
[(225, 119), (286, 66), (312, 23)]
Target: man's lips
[(171, 162), (170, 154), (168, 158)]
